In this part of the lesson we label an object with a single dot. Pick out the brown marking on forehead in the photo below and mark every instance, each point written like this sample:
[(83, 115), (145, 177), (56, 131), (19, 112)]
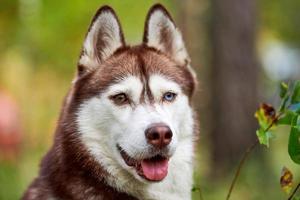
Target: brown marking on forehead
[(146, 93), (139, 61), (158, 63)]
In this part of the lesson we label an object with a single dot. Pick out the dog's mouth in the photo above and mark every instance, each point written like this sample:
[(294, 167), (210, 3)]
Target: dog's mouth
[(152, 169)]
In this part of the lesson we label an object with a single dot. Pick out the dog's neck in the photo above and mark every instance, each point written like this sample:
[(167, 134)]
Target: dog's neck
[(68, 178)]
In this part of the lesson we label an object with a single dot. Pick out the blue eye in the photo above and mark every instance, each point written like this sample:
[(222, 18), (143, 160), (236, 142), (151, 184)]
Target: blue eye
[(169, 96)]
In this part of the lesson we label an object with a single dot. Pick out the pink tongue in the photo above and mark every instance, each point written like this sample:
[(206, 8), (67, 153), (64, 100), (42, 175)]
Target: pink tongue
[(155, 170)]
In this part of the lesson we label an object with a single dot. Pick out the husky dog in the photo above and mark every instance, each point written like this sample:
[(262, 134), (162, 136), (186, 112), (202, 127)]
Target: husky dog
[(126, 129)]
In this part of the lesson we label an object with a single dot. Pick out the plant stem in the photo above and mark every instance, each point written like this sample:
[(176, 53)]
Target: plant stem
[(200, 192), (294, 192), (237, 173), (245, 156)]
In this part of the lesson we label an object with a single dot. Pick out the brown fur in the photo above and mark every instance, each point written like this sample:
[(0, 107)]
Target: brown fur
[(68, 171)]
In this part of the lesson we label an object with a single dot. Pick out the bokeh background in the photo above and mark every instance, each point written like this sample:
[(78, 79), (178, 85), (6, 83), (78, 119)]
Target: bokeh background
[(241, 50)]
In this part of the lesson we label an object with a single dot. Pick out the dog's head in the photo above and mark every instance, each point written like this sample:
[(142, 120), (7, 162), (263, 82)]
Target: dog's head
[(133, 103)]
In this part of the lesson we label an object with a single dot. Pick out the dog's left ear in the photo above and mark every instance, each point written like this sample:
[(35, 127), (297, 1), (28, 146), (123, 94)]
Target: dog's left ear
[(161, 33)]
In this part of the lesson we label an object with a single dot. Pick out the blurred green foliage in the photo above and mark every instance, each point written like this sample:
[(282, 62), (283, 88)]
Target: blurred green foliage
[(52, 31), (282, 19)]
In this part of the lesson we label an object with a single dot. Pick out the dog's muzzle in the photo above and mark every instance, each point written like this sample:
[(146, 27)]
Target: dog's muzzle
[(154, 168)]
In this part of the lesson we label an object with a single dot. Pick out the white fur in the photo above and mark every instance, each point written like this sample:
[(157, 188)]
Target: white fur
[(108, 25), (103, 125), (159, 20)]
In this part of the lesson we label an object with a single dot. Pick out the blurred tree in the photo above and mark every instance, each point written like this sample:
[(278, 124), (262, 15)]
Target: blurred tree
[(234, 80)]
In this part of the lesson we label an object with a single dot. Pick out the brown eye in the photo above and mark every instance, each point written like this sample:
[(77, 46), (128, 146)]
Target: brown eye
[(120, 99), (169, 96)]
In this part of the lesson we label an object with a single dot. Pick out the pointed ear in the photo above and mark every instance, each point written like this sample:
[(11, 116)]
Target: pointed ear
[(103, 38), (161, 33)]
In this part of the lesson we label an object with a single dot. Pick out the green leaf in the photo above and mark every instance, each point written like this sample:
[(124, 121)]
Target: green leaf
[(194, 189), (283, 89), (287, 118), (264, 136), (296, 93), (294, 140)]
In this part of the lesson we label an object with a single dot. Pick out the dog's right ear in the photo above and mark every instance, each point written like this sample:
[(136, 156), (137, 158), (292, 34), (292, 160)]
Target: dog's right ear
[(103, 38)]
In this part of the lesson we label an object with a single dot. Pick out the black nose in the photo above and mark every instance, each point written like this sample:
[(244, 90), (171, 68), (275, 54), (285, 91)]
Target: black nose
[(159, 135)]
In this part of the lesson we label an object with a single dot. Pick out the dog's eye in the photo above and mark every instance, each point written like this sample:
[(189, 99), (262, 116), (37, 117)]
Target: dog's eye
[(120, 99), (169, 96)]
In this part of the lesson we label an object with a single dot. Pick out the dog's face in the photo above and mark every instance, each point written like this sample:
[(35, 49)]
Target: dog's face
[(134, 102)]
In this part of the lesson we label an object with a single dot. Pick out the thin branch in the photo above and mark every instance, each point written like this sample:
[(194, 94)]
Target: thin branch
[(237, 173), (200, 192), (245, 156), (294, 192)]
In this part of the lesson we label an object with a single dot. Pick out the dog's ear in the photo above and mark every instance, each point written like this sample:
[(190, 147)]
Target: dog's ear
[(103, 38), (161, 33)]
